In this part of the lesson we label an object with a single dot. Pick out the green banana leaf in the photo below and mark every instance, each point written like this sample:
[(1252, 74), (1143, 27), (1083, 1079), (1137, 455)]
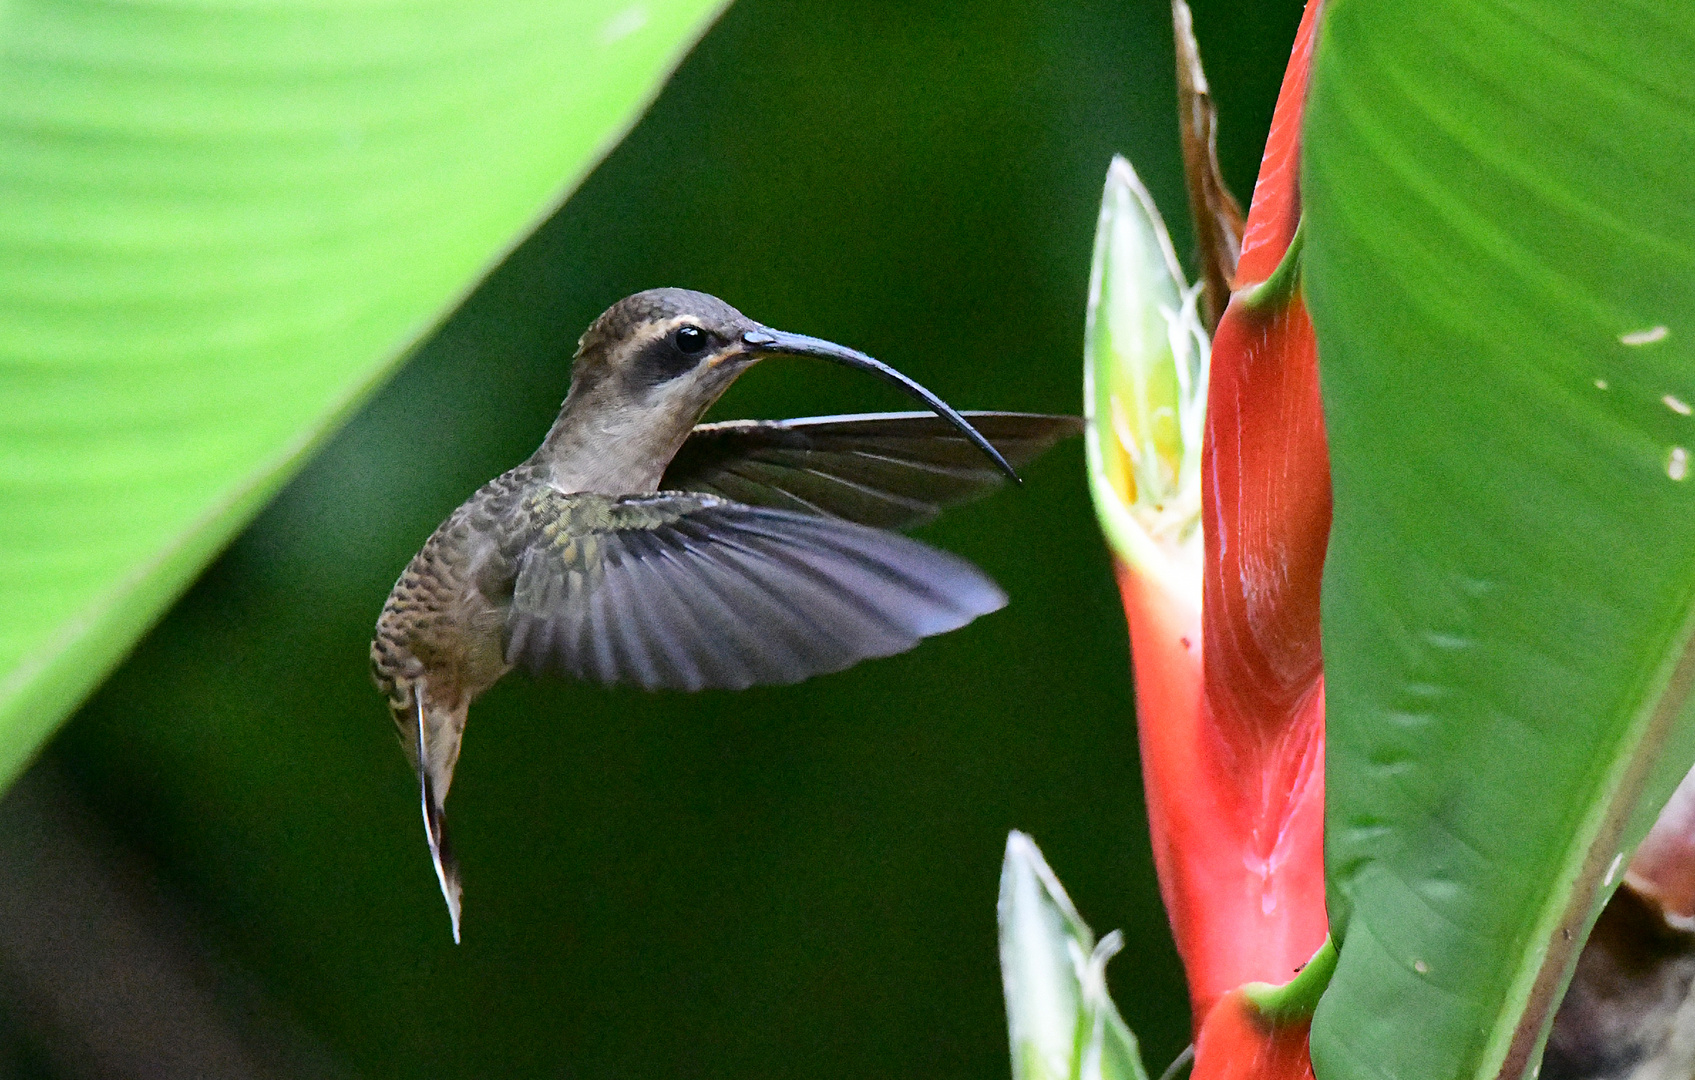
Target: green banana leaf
[(1501, 270), (224, 224)]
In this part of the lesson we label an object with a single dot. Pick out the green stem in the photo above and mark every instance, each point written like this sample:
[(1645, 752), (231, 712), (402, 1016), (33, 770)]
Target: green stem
[(1296, 999), (1274, 292)]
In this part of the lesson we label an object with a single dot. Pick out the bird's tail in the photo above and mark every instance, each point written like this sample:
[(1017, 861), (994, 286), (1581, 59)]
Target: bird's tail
[(441, 851), (434, 745)]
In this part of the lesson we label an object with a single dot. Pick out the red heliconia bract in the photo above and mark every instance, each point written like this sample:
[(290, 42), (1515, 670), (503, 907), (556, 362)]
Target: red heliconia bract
[(1231, 697)]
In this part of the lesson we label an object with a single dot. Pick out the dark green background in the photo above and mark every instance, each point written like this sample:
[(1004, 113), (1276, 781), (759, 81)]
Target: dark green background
[(784, 882)]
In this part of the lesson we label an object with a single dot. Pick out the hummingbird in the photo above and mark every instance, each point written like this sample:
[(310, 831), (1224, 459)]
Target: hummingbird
[(637, 546)]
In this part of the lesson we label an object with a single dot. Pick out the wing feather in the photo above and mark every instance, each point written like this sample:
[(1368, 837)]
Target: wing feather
[(687, 591), (889, 470)]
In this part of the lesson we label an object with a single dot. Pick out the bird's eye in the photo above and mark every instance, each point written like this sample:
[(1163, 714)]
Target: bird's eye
[(690, 339)]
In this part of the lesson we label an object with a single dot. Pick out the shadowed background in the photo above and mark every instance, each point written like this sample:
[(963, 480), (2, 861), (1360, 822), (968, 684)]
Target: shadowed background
[(793, 881)]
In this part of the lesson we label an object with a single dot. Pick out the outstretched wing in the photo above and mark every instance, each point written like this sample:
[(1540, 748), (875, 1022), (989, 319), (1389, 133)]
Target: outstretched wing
[(891, 470), (686, 591)]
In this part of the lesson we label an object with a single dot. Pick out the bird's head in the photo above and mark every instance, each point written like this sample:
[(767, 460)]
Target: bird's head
[(654, 362), (666, 351)]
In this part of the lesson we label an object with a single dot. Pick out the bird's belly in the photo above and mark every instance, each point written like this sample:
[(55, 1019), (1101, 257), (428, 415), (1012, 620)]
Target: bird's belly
[(482, 656), (439, 629)]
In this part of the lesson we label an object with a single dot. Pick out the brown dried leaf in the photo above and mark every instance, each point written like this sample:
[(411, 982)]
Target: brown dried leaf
[(1629, 1013), (1218, 217)]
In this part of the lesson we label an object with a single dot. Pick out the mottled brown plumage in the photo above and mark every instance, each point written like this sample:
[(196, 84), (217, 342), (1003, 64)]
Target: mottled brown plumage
[(758, 563)]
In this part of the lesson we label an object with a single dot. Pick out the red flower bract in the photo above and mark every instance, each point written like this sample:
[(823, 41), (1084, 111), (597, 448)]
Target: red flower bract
[(1231, 697)]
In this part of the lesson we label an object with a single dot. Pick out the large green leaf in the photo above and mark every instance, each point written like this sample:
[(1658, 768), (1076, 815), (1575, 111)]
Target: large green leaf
[(224, 223), (1501, 269)]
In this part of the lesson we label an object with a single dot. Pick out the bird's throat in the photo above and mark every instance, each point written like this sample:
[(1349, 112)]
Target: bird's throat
[(602, 445)]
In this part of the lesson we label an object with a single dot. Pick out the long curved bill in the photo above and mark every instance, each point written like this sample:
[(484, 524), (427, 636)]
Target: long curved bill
[(768, 342)]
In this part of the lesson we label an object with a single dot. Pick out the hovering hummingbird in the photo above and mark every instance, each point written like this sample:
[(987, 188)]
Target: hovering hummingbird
[(636, 547)]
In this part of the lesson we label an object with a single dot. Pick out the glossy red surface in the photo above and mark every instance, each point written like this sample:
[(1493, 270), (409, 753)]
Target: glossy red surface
[(1231, 705)]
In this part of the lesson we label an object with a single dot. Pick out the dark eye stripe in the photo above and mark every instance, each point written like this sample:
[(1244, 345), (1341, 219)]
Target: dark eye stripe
[(664, 358)]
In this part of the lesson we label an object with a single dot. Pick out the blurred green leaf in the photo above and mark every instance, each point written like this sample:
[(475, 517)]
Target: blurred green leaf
[(1501, 269), (1063, 1024), (225, 223), (1144, 383)]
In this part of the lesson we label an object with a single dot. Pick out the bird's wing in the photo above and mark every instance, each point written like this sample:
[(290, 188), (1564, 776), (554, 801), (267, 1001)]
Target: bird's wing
[(891, 470), (687, 591)]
